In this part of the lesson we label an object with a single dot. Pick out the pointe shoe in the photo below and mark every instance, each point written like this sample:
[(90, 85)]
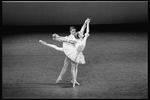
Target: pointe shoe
[(75, 82)]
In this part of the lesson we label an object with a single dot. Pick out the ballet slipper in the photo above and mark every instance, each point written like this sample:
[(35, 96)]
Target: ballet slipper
[(75, 82)]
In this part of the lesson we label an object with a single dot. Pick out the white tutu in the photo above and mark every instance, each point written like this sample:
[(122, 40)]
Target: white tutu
[(74, 52)]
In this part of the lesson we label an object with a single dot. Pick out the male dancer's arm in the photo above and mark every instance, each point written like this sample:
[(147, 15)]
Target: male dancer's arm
[(63, 39)]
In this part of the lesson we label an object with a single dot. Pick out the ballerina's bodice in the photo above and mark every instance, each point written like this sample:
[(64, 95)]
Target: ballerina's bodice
[(80, 45)]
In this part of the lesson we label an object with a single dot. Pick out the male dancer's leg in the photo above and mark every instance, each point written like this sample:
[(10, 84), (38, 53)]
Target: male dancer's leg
[(66, 63)]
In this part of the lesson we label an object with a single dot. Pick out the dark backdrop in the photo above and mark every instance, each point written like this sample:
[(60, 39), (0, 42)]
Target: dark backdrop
[(66, 13), (59, 16)]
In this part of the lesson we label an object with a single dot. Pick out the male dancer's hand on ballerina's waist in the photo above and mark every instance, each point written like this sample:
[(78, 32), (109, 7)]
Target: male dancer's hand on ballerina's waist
[(55, 37)]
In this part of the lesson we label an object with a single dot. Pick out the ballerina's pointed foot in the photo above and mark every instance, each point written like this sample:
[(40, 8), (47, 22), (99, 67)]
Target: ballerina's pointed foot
[(75, 82)]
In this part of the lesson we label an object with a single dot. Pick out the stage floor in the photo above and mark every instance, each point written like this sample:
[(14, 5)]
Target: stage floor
[(116, 67)]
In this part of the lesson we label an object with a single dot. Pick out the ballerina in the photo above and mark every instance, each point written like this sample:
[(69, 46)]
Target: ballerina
[(72, 48)]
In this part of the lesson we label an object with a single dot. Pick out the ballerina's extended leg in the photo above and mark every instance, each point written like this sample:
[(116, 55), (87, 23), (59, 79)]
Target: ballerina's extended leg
[(52, 45)]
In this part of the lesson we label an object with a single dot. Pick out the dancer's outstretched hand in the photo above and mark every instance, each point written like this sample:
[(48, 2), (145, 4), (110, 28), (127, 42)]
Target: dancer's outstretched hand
[(43, 42), (88, 19), (54, 36)]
